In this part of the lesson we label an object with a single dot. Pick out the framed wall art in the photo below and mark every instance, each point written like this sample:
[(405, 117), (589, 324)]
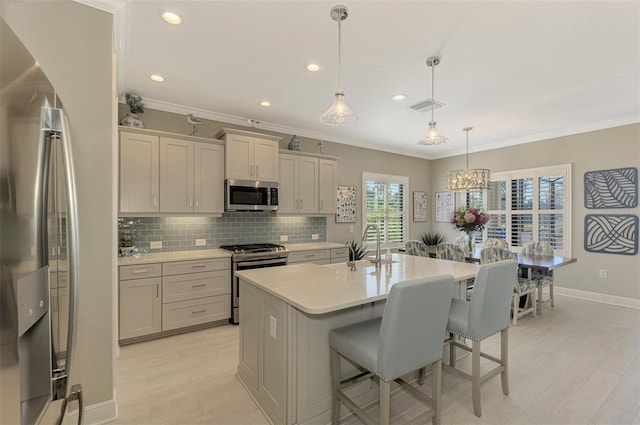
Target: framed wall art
[(420, 206), (346, 204), (444, 206)]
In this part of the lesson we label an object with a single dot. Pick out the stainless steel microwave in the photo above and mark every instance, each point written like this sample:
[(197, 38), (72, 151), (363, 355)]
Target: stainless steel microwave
[(247, 195)]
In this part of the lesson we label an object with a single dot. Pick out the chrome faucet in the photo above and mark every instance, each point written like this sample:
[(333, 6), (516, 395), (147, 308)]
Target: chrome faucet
[(352, 261), (377, 261)]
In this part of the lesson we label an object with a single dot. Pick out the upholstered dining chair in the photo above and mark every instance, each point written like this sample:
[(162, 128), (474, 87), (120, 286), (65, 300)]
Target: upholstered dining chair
[(486, 314), (407, 337), (541, 277), (418, 248), (523, 285), (449, 251), (500, 243)]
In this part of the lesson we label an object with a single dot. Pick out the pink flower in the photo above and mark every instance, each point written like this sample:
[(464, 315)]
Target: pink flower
[(469, 217)]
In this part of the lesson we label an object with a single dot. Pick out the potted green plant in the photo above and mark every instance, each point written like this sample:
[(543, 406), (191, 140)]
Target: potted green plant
[(127, 242), (432, 239), (135, 107), (356, 251)]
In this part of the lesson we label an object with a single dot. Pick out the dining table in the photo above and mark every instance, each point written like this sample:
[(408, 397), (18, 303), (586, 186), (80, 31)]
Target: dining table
[(543, 263)]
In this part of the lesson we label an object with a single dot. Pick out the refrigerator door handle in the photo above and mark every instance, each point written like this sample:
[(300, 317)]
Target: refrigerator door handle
[(73, 235)]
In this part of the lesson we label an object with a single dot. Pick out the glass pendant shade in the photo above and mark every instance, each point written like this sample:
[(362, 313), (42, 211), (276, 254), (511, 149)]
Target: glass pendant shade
[(339, 113), (433, 136), (469, 179)]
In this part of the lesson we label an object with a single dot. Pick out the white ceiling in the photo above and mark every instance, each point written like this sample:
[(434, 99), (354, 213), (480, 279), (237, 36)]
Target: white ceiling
[(517, 71)]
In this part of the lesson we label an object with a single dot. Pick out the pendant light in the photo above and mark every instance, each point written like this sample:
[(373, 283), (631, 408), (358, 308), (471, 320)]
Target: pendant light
[(469, 179), (339, 113), (433, 136)]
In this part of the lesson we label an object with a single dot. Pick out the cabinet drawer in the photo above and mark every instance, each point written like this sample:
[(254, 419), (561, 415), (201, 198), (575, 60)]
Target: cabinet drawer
[(195, 285), (309, 256), (340, 254), (194, 312), (193, 266), (140, 271)]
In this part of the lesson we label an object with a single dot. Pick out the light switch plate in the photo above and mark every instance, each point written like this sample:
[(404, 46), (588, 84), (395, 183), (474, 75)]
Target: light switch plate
[(273, 326), (284, 238), (201, 242), (315, 236), (155, 245)]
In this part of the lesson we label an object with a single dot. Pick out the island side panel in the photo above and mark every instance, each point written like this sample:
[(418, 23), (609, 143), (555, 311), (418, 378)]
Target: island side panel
[(249, 336)]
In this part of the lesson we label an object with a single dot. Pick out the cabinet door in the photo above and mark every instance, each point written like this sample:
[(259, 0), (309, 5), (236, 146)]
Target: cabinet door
[(176, 175), (239, 159), (328, 176), (308, 184), (208, 179), (140, 307), (139, 173), (288, 186), (266, 155)]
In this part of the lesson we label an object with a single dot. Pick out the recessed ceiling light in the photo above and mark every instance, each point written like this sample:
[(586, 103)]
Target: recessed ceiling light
[(171, 18), (313, 67), (399, 96), (157, 78), (265, 103)]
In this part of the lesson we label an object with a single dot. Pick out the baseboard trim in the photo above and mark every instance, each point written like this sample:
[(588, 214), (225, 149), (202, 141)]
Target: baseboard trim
[(95, 414), (599, 298)]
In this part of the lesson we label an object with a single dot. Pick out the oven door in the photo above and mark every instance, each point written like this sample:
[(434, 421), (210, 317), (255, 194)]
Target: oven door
[(235, 284), (245, 195)]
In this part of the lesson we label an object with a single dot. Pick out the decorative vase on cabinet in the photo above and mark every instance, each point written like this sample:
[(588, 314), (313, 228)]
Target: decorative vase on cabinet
[(132, 120)]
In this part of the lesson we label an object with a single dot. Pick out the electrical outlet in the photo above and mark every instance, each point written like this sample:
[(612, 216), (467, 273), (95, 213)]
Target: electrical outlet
[(155, 245), (201, 242), (273, 326), (603, 273), (315, 236), (284, 238), (351, 229)]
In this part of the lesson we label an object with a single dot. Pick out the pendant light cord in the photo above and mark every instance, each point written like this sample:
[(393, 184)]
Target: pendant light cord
[(340, 11), (433, 99), (467, 149)]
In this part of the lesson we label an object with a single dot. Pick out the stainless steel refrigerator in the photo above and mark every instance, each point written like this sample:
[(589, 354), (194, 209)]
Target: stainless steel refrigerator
[(39, 244)]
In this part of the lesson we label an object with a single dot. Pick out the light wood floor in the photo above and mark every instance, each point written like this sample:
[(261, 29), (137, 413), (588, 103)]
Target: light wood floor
[(579, 363)]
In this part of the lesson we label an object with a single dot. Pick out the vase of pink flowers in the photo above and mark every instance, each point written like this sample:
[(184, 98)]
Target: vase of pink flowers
[(469, 220)]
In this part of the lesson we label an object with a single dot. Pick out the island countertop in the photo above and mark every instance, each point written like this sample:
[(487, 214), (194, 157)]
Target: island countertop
[(316, 289)]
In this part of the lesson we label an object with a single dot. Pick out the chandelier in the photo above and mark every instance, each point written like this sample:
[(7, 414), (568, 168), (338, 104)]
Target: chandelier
[(469, 179)]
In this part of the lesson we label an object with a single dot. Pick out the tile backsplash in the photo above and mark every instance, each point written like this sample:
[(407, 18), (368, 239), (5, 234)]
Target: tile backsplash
[(180, 233)]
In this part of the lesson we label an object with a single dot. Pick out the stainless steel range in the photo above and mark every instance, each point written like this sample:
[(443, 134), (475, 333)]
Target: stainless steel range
[(252, 256)]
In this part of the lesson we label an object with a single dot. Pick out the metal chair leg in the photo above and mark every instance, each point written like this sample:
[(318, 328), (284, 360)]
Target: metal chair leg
[(335, 384), (385, 401), (504, 359), (475, 380)]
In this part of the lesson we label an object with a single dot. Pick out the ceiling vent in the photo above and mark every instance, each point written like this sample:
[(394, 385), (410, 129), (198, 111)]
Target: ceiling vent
[(425, 105)]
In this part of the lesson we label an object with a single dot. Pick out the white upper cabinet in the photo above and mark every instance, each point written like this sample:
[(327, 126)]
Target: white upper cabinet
[(328, 178), (163, 174), (298, 188), (251, 156), (139, 172), (191, 176)]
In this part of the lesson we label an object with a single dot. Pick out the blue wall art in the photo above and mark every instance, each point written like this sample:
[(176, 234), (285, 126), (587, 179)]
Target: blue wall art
[(611, 233), (615, 188)]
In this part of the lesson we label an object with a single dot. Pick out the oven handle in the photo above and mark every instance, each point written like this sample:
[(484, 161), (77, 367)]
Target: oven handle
[(243, 265)]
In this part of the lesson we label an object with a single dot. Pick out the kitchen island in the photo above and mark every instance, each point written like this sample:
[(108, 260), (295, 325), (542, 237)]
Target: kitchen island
[(286, 314)]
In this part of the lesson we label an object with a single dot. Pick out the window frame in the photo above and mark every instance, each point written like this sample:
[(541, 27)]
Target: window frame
[(563, 170), (386, 179)]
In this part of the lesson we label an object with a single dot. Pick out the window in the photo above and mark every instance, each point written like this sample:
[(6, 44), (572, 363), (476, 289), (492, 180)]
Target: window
[(528, 205), (385, 205)]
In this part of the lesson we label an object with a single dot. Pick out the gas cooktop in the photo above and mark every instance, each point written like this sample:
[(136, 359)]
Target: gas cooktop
[(253, 248)]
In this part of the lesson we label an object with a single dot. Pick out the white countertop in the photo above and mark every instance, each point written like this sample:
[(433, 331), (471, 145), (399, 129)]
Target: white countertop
[(316, 289), (313, 246), (163, 257)]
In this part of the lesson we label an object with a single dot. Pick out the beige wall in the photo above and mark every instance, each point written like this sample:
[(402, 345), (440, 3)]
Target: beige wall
[(73, 45), (597, 150)]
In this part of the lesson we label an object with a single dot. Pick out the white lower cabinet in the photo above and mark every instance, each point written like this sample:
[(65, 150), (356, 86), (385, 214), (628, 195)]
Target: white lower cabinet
[(140, 300), (320, 256), (339, 255), (160, 297)]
